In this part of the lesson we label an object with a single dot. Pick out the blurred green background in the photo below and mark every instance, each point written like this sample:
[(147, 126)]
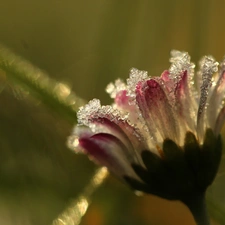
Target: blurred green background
[(88, 44)]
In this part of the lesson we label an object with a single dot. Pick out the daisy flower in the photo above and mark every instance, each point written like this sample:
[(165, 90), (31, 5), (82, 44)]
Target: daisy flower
[(162, 134)]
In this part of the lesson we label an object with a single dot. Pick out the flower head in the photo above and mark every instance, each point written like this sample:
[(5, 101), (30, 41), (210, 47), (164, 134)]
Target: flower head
[(161, 134)]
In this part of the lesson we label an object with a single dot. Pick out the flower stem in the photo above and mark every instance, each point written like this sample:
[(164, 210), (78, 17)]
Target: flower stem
[(197, 205), (40, 85), (77, 208)]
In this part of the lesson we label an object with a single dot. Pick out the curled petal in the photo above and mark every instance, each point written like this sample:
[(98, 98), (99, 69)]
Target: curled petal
[(73, 139), (106, 119), (109, 151), (123, 103), (168, 84), (122, 130)]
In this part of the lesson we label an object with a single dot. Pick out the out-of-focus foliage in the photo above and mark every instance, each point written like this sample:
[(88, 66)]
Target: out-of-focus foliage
[(24, 79), (87, 44)]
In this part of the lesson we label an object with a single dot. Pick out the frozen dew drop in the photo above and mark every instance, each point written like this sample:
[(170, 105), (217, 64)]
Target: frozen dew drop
[(88, 110), (93, 111), (110, 89), (180, 61), (208, 66), (114, 88), (73, 143), (135, 77)]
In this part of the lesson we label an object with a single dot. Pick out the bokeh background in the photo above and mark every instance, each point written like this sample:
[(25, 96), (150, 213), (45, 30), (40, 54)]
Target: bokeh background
[(88, 44)]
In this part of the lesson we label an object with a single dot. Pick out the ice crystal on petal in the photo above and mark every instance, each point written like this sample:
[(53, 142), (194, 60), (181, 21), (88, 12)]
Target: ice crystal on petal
[(135, 77), (114, 88), (208, 66), (180, 62), (93, 111), (86, 111)]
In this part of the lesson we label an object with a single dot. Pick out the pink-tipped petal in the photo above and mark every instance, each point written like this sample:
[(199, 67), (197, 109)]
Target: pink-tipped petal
[(109, 151), (122, 130), (155, 108), (122, 100), (160, 108), (185, 104), (143, 107), (168, 84), (73, 139), (106, 119)]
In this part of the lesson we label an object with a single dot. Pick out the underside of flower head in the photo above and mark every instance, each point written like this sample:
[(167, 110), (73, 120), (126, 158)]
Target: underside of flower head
[(161, 134), (181, 172)]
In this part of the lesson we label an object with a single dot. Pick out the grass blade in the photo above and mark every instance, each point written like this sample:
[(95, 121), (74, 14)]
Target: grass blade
[(55, 95)]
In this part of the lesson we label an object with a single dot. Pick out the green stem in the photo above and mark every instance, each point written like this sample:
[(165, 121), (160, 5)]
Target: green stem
[(197, 205), (40, 85), (78, 207)]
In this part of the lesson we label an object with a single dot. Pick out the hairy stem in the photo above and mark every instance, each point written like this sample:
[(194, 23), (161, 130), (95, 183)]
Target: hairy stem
[(56, 95)]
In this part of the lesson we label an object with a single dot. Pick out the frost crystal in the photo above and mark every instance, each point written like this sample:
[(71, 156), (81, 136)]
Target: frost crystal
[(94, 110), (180, 62), (86, 111), (73, 142), (208, 66), (114, 88), (135, 77)]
